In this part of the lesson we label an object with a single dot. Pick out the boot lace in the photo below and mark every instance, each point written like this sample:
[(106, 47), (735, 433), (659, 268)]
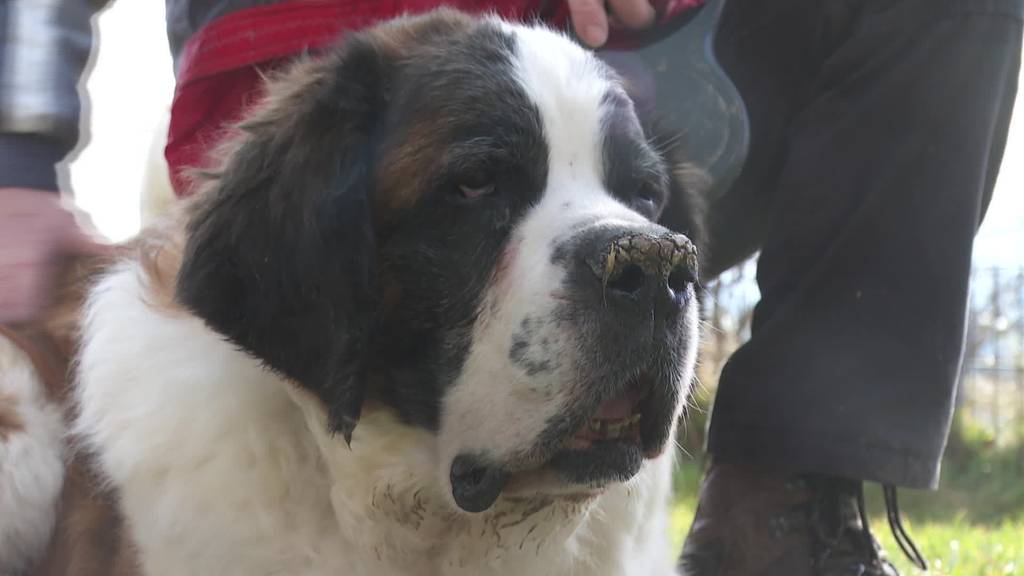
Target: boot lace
[(842, 539)]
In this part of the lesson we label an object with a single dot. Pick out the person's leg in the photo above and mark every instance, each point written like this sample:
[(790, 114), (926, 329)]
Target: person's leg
[(865, 207), (863, 272), (771, 52)]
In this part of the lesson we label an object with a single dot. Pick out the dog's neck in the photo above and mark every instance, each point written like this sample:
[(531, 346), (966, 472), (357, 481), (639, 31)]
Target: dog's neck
[(387, 482)]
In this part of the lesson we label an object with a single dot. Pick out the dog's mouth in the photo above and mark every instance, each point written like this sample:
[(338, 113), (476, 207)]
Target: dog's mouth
[(617, 419), (593, 449), (613, 442)]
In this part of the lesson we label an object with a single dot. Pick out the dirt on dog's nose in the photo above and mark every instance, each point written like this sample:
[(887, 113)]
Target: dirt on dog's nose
[(643, 265)]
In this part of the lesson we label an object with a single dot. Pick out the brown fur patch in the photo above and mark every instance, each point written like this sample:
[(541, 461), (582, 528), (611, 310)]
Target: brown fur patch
[(158, 250), (397, 38), (10, 419), (402, 184), (51, 340), (90, 538), (48, 361)]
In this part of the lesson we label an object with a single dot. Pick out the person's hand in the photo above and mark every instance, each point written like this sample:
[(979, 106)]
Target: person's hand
[(37, 228), (592, 18)]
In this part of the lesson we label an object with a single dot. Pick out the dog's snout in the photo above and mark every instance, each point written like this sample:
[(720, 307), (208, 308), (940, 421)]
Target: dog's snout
[(644, 265)]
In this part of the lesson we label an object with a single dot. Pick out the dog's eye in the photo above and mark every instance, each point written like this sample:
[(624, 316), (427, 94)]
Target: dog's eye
[(647, 200), (473, 192), (475, 187)]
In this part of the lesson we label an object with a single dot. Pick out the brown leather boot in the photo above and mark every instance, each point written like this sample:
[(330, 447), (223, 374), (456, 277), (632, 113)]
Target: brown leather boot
[(751, 522)]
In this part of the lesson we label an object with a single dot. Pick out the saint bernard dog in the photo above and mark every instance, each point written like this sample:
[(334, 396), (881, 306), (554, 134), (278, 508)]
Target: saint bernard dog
[(433, 311)]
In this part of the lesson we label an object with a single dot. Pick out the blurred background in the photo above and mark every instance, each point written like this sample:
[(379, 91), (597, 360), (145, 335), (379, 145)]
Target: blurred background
[(973, 526)]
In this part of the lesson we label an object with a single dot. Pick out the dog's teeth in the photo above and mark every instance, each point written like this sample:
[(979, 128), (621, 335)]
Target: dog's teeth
[(611, 429)]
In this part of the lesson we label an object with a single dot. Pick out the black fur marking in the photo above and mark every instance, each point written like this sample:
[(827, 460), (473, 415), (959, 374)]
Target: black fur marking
[(685, 209), (281, 256), (634, 172), (533, 357)]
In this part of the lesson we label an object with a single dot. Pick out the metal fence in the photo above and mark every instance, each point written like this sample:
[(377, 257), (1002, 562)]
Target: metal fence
[(992, 379), (991, 392)]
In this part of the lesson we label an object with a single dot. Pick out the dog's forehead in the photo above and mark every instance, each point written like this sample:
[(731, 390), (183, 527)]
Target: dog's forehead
[(570, 89), (526, 92)]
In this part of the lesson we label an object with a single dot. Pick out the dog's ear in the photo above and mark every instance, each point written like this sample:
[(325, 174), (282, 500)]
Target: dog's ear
[(280, 251)]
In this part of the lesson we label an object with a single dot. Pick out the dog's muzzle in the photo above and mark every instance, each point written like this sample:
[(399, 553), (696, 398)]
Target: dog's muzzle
[(626, 302)]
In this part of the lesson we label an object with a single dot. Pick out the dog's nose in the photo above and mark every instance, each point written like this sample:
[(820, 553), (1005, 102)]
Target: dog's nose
[(642, 266)]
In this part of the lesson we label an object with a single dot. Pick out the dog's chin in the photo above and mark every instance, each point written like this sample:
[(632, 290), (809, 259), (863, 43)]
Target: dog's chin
[(569, 474), (602, 446), (608, 447), (598, 465)]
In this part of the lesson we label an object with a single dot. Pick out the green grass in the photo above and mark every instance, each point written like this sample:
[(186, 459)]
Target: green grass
[(959, 548)]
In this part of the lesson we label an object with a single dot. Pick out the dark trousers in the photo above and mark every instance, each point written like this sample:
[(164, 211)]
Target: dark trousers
[(877, 131)]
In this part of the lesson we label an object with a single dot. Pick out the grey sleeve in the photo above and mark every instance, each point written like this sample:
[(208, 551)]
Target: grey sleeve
[(44, 48)]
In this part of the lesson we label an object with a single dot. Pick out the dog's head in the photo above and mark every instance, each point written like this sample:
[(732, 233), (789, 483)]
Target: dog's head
[(459, 218)]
